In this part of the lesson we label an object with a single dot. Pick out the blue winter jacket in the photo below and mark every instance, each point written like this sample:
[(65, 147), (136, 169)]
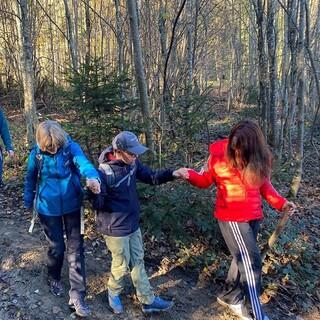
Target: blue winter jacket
[(4, 132), (118, 207), (58, 190)]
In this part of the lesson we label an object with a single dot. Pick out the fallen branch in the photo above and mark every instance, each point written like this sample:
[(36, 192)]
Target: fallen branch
[(275, 235)]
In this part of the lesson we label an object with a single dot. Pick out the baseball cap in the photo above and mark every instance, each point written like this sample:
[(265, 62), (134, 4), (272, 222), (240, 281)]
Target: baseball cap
[(128, 141)]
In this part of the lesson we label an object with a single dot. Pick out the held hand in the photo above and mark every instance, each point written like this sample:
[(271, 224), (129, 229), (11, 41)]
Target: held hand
[(93, 185), (181, 173), (289, 207), (10, 153)]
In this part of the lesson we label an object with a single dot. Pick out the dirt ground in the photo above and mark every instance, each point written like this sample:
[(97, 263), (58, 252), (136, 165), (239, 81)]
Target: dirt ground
[(25, 295)]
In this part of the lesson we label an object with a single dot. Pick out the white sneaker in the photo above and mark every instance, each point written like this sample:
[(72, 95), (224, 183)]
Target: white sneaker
[(238, 309)]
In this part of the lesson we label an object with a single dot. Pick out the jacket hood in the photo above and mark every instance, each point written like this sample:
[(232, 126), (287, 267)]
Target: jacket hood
[(106, 155)]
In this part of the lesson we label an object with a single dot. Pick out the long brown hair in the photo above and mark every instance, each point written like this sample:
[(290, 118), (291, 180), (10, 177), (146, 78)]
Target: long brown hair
[(248, 151)]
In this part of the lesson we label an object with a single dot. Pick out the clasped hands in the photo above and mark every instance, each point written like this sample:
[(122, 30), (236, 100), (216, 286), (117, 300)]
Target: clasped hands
[(93, 185), (181, 173)]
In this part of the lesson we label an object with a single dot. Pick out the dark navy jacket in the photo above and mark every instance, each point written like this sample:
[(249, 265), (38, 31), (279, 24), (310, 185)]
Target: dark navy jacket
[(118, 207)]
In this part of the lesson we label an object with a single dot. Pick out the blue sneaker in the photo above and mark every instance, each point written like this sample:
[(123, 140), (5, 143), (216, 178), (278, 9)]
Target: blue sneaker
[(115, 303), (157, 305)]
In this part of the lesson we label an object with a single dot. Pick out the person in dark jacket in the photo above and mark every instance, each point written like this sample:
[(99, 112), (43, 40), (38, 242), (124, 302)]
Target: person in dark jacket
[(5, 135), (118, 218), (53, 188)]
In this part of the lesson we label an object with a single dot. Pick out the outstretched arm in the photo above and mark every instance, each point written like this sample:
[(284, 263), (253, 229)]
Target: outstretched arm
[(153, 177), (85, 168), (203, 179), (278, 202)]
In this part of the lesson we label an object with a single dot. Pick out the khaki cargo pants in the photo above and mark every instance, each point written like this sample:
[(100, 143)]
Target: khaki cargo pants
[(128, 257)]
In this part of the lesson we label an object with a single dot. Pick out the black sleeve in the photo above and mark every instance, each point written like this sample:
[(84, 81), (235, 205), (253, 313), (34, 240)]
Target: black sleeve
[(153, 177)]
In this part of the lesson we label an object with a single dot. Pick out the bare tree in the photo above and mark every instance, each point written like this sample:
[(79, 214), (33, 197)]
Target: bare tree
[(140, 74), (295, 184), (263, 66), (272, 47), (71, 38), (23, 24)]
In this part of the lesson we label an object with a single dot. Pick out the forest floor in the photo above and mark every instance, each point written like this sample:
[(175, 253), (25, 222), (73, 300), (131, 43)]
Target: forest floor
[(25, 295)]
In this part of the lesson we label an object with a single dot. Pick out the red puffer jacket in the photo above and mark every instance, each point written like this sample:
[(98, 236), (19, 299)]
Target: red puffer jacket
[(235, 200)]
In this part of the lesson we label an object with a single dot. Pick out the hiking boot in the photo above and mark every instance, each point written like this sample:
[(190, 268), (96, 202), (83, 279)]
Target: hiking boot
[(239, 309), (115, 303), (56, 287), (157, 305), (80, 307)]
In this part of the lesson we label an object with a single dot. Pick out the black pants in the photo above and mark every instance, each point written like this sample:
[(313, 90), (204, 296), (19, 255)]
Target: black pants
[(244, 276), (54, 230)]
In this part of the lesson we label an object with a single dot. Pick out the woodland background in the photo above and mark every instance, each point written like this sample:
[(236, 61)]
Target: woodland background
[(179, 74)]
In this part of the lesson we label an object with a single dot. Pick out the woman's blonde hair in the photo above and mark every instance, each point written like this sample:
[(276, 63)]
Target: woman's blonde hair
[(50, 136)]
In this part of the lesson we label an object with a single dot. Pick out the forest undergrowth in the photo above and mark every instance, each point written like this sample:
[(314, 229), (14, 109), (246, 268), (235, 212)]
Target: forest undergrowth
[(182, 240)]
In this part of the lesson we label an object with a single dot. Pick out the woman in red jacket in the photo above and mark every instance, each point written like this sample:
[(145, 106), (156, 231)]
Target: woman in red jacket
[(240, 167)]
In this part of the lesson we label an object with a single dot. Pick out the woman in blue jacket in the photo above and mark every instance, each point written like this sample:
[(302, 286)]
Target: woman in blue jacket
[(53, 188)]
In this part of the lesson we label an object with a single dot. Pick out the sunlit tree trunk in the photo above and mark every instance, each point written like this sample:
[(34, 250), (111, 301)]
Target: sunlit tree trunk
[(71, 38), (88, 33), (139, 69), (23, 27), (283, 87)]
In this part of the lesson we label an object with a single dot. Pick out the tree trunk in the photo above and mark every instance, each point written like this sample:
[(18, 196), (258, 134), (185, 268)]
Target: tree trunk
[(295, 184), (71, 39), (284, 87), (252, 48), (263, 68), (292, 41), (272, 47), (120, 42), (88, 34), (189, 29), (23, 27), (140, 74)]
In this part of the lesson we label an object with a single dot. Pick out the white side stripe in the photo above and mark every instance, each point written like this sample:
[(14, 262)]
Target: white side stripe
[(246, 263), (248, 271)]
